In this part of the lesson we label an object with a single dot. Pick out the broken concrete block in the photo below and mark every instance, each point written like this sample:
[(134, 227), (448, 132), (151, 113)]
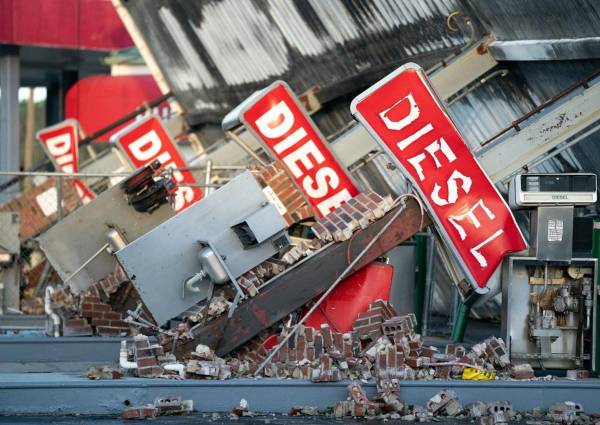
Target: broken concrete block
[(357, 393), (577, 374), (565, 412), (477, 409), (203, 368), (522, 371), (500, 412), (173, 405), (203, 352), (141, 412), (444, 402)]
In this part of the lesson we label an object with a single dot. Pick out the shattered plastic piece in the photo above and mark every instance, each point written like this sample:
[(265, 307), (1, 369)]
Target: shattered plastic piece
[(471, 374)]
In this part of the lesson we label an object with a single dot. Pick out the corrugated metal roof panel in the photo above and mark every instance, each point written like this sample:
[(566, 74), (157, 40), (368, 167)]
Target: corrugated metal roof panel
[(215, 53), (541, 19)]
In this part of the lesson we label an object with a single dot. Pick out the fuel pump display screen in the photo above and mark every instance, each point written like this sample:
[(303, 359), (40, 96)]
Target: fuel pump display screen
[(558, 183)]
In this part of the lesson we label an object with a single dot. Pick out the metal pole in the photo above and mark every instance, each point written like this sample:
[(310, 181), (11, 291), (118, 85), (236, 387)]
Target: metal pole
[(114, 174), (596, 313), (428, 284), (9, 116), (59, 198), (420, 280), (207, 176), (460, 323), (88, 261), (237, 139), (342, 276)]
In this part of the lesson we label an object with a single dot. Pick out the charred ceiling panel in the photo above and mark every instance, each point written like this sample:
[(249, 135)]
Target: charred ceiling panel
[(214, 53)]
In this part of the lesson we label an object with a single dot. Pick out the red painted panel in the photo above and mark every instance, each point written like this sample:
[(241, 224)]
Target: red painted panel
[(98, 101), (76, 24), (6, 20), (352, 297)]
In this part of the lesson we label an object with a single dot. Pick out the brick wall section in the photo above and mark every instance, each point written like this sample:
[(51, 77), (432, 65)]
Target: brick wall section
[(357, 213), (33, 220), (298, 208), (146, 357), (77, 326), (100, 315)]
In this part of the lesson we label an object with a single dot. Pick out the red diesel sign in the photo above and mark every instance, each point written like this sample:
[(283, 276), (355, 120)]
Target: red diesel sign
[(279, 121), (146, 140), (61, 144), (405, 116)]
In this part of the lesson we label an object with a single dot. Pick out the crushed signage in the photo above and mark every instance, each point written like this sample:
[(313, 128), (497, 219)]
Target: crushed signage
[(146, 140), (406, 117), (61, 144), (278, 120)]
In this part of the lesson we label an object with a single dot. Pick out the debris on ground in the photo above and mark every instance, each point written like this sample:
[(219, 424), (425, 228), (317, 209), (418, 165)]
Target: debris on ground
[(168, 406), (303, 411), (577, 374), (174, 405), (382, 346), (565, 413), (498, 412), (242, 409), (444, 403), (141, 412), (522, 371), (357, 404), (103, 372)]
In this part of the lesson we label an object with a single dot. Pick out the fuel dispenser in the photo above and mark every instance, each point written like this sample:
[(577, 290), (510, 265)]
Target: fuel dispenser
[(549, 294)]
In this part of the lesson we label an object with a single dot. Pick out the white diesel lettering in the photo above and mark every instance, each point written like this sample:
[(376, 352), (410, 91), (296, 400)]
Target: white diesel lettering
[(276, 122), (325, 178), (434, 147), (470, 214), (302, 154), (59, 145), (452, 189), (290, 141), (146, 147)]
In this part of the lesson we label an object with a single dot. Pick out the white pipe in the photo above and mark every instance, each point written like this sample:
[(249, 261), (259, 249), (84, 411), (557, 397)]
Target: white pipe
[(123, 362), (177, 367), (48, 309)]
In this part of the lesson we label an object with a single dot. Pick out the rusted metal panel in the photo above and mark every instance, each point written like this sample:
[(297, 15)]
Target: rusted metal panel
[(299, 285)]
